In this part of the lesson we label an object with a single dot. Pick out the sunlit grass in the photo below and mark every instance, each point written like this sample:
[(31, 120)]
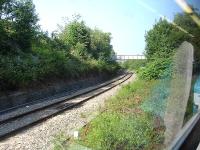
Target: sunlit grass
[(123, 124)]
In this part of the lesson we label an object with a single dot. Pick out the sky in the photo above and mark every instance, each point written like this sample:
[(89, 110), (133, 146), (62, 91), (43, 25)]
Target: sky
[(126, 20)]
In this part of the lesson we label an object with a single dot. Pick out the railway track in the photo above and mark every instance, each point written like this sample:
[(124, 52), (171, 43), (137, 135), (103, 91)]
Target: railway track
[(16, 119)]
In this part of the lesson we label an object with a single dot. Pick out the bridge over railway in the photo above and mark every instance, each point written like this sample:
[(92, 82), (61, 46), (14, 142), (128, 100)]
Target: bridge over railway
[(128, 57)]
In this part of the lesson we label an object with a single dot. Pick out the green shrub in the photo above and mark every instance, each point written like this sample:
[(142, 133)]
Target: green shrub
[(17, 70), (162, 42), (115, 131), (157, 69), (21, 70)]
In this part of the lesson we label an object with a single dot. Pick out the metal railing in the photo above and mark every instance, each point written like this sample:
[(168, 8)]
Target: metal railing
[(129, 57)]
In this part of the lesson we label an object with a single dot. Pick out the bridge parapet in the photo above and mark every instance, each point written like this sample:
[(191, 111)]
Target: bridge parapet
[(128, 57)]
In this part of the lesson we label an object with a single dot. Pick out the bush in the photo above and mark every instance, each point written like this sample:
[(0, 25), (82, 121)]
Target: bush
[(17, 70), (157, 69), (115, 131), (21, 70), (161, 44), (162, 40)]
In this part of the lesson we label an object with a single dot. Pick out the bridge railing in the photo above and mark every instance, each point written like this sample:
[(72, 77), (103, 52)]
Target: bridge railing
[(129, 57)]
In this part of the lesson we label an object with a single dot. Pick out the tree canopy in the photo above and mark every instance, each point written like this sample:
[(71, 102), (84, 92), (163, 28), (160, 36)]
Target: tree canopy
[(184, 20), (163, 39), (162, 42), (18, 25), (100, 44), (85, 41)]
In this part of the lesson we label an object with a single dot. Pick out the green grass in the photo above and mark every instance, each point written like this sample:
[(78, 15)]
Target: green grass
[(60, 142), (123, 124)]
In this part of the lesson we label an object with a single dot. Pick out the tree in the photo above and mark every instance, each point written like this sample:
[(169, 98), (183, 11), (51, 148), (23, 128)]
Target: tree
[(25, 23), (185, 21), (163, 39), (161, 44), (100, 45), (76, 32), (6, 30), (86, 42), (18, 25)]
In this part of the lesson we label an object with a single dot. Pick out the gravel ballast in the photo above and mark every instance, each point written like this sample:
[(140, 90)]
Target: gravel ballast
[(40, 136)]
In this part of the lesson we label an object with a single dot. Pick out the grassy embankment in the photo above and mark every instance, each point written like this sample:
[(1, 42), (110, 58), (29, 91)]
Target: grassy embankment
[(124, 122), (133, 119)]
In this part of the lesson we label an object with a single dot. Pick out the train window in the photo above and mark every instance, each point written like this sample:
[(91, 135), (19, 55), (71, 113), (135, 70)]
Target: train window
[(99, 74)]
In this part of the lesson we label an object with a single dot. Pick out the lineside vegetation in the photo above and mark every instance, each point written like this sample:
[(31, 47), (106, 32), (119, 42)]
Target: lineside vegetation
[(29, 55), (134, 118)]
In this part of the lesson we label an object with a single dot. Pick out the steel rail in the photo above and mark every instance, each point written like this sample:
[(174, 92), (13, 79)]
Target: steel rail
[(16, 123), (18, 111)]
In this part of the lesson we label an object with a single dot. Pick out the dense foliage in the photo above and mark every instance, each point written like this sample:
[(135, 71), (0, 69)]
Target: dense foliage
[(162, 42), (86, 42), (156, 69), (30, 55), (184, 20), (17, 25), (100, 45)]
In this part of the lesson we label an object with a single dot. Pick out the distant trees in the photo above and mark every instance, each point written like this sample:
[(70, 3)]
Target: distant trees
[(86, 42), (77, 35), (101, 47)]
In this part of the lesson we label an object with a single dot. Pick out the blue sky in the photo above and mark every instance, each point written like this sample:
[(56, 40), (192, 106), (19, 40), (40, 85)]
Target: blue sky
[(126, 20)]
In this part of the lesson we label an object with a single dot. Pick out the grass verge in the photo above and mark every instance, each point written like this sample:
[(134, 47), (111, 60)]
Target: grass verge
[(123, 124)]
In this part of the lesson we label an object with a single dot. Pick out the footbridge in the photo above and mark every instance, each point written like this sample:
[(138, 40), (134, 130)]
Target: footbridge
[(128, 57)]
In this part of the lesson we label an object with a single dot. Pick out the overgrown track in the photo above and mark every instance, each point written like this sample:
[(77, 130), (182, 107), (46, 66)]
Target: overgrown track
[(20, 118)]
